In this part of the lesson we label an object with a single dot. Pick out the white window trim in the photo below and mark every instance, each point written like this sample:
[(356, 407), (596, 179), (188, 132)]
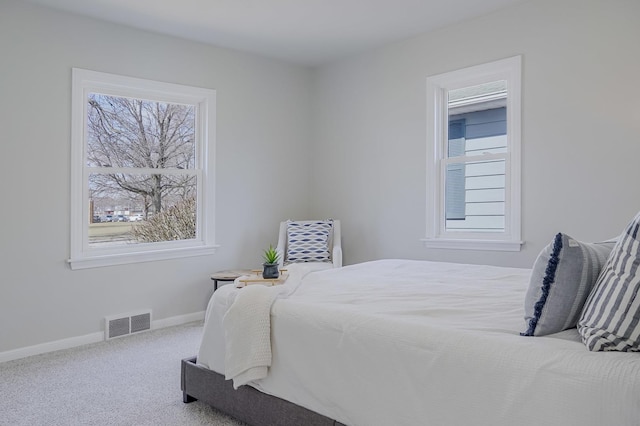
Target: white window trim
[(436, 236), (84, 82)]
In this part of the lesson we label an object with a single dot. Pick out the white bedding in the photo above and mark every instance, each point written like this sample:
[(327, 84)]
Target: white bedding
[(399, 342)]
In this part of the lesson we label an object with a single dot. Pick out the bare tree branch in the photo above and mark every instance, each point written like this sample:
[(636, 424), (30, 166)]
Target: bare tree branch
[(136, 133)]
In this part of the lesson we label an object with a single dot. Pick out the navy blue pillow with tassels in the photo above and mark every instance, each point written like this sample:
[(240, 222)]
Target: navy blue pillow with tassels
[(562, 277)]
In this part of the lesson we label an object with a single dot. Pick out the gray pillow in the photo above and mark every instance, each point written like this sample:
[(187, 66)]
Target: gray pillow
[(610, 320), (562, 278)]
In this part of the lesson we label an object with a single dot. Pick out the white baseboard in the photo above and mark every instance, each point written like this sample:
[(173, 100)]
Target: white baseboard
[(177, 320), (56, 345), (73, 342)]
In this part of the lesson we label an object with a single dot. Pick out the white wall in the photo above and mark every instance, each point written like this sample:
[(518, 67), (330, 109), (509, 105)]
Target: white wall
[(262, 140), (580, 141)]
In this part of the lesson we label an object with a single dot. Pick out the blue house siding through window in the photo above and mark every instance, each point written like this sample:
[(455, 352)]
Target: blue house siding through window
[(475, 189)]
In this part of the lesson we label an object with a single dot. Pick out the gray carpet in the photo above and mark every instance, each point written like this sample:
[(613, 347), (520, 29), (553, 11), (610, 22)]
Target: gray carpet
[(133, 380)]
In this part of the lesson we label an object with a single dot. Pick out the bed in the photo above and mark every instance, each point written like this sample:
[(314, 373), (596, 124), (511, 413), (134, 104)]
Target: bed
[(403, 342)]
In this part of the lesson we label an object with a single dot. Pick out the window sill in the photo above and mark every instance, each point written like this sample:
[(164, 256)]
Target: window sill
[(138, 257), (469, 244)]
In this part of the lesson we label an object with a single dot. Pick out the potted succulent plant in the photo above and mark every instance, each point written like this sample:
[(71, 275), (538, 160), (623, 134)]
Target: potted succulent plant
[(271, 258)]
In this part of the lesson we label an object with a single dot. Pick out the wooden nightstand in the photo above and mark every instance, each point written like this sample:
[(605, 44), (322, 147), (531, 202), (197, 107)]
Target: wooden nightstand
[(228, 275)]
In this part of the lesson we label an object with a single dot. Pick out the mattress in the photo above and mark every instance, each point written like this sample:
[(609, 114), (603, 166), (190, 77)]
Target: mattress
[(401, 342)]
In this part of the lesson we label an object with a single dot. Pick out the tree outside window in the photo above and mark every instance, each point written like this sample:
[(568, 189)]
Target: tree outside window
[(125, 133)]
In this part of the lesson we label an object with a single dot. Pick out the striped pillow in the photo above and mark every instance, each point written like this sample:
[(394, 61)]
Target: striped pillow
[(308, 241), (610, 319)]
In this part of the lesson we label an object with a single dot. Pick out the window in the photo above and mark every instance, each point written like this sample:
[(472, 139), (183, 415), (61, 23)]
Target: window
[(473, 148), (141, 170)]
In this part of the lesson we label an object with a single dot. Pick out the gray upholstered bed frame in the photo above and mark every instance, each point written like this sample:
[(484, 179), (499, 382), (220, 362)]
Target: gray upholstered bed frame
[(246, 403)]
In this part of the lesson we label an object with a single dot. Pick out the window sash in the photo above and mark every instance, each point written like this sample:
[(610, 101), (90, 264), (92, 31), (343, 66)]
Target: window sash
[(86, 246), (445, 232)]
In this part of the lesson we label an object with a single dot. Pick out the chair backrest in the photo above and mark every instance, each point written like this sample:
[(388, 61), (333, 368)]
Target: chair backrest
[(327, 228)]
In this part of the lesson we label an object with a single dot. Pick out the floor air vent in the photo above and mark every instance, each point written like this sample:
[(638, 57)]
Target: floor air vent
[(123, 325)]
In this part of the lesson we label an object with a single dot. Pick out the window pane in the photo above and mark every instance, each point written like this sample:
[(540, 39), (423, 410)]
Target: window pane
[(126, 132), (478, 118), (455, 192), (131, 209), (475, 202)]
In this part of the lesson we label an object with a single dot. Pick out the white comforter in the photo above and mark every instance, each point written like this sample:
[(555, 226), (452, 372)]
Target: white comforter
[(398, 342)]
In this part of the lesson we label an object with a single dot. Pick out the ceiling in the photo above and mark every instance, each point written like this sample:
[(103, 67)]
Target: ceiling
[(307, 32)]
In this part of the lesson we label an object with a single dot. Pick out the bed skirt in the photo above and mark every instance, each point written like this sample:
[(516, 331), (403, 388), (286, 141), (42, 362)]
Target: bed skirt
[(246, 403)]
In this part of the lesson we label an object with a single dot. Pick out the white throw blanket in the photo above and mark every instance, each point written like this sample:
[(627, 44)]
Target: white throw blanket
[(247, 327), (247, 330)]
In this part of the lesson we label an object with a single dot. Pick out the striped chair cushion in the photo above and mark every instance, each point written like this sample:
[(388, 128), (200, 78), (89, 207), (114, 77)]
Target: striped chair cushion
[(308, 241), (610, 320)]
